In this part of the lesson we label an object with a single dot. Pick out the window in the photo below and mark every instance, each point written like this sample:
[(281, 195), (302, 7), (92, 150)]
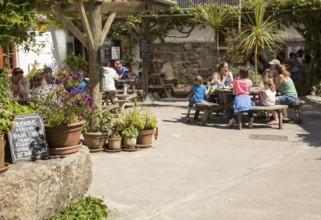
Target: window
[(8, 57)]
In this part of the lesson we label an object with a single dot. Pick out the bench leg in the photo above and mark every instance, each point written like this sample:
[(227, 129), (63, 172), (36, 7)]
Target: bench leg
[(298, 117), (239, 120), (197, 112), (205, 116), (280, 115)]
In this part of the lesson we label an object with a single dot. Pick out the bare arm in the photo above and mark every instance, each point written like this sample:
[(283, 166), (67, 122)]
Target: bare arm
[(278, 81)]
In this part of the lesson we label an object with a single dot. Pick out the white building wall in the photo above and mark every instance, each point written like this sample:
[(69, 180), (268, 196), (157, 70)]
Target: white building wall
[(52, 54)]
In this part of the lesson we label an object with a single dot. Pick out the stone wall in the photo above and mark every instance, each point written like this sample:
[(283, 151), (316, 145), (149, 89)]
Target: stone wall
[(35, 190), (187, 58)]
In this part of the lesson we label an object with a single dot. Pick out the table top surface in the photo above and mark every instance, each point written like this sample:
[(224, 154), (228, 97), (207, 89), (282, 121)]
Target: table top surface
[(253, 90)]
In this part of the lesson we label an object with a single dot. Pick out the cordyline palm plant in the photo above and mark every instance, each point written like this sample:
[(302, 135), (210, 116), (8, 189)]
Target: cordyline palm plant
[(259, 31), (217, 17)]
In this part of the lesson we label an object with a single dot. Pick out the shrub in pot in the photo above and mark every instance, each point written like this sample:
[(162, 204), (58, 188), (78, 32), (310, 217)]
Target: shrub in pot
[(114, 138), (129, 135), (95, 131), (146, 134)]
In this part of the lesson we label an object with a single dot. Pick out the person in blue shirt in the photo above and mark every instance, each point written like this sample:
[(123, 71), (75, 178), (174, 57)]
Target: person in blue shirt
[(122, 71), (82, 83), (197, 94)]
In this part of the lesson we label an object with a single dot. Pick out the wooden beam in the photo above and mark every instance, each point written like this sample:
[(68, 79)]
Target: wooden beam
[(107, 26), (85, 22), (71, 27)]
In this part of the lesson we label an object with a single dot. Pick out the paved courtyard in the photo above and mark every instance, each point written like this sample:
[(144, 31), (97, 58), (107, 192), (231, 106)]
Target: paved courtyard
[(197, 172)]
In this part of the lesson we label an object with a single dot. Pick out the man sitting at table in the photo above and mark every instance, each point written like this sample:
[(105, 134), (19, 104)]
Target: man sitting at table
[(109, 77), (165, 70)]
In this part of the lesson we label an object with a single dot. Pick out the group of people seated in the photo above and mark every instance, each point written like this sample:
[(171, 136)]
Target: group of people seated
[(277, 87), (43, 82)]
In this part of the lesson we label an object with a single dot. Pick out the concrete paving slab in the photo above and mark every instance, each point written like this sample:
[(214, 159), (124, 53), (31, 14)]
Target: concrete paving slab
[(210, 172)]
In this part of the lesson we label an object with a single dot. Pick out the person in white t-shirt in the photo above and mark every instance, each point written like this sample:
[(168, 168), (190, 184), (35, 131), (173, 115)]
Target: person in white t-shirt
[(109, 77), (166, 70)]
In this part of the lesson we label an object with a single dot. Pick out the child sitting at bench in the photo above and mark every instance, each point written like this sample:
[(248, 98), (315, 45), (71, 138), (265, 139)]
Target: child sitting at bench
[(242, 100), (212, 85), (197, 93), (267, 98)]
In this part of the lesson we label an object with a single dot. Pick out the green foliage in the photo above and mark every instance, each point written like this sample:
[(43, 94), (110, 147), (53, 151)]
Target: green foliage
[(5, 121), (76, 62), (16, 17), (134, 118), (98, 121), (5, 86), (87, 208), (149, 117), (259, 32), (118, 124), (130, 132), (217, 17), (61, 107)]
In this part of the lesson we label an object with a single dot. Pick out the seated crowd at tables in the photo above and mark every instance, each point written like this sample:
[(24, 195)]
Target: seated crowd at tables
[(277, 87), (43, 82)]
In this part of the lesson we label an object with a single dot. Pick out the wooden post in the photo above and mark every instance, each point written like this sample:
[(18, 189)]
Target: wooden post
[(95, 20), (145, 58)]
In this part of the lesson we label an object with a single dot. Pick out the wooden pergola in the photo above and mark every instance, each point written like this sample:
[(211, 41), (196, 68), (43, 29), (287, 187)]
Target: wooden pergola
[(95, 31)]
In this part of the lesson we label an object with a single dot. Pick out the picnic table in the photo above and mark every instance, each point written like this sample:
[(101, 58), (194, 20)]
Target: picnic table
[(155, 82)]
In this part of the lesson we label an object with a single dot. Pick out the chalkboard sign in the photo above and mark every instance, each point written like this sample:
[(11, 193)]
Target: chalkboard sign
[(144, 46), (27, 138)]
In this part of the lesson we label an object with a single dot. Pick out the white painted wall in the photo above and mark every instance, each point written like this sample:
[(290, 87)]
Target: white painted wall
[(55, 41)]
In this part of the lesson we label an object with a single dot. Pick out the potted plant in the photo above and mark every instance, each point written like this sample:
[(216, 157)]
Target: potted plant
[(5, 125), (63, 114), (114, 138), (145, 136), (129, 135), (95, 131)]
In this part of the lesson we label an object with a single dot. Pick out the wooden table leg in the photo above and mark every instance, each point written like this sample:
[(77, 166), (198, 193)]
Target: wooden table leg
[(239, 120), (280, 115), (197, 112), (205, 116)]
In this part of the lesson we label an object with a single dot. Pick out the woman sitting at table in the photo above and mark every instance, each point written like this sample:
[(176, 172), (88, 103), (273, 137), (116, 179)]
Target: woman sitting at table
[(42, 88), (20, 86), (226, 76), (242, 100), (285, 85)]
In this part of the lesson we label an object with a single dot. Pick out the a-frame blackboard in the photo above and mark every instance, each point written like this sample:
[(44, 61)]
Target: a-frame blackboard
[(27, 138)]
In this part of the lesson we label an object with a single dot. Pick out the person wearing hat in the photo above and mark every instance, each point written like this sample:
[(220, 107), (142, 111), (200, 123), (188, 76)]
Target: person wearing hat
[(20, 86), (47, 72)]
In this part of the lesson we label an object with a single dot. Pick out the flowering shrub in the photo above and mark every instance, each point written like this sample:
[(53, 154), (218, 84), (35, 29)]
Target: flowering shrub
[(62, 107), (98, 121)]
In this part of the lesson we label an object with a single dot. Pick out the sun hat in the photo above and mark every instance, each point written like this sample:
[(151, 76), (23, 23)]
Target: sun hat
[(274, 62)]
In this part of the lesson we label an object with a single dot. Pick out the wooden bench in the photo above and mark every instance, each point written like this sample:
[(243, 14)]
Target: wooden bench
[(278, 108), (207, 107)]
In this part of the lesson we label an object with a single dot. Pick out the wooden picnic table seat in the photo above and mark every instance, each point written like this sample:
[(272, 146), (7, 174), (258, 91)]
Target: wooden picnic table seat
[(278, 108), (207, 107)]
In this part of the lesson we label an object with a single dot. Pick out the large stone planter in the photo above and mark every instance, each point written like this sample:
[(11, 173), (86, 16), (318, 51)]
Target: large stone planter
[(35, 190)]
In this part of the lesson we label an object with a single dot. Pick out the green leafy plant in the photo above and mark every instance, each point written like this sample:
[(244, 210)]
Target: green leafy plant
[(118, 124), (62, 107), (76, 62), (6, 121), (150, 119), (87, 208), (98, 120), (130, 132), (133, 117)]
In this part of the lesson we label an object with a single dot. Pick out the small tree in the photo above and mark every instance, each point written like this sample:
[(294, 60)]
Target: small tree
[(259, 31), (217, 17)]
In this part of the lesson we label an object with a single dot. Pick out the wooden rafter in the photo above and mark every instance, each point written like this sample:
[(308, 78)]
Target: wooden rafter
[(71, 27), (106, 28), (85, 22)]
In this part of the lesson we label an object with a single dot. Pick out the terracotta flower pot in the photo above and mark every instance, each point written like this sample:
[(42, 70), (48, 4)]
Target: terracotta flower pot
[(130, 142), (145, 137), (114, 143), (64, 136), (95, 141), (2, 144)]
